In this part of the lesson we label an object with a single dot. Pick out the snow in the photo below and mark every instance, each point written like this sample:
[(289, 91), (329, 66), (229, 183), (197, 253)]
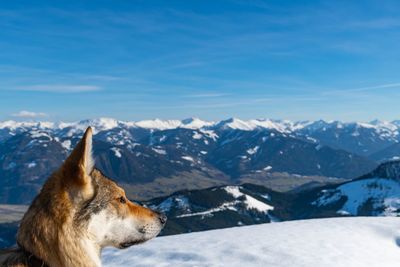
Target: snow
[(180, 202), (159, 151), (280, 126), (224, 206), (234, 191), (266, 196), (188, 158), (159, 124), (250, 202), (339, 242), (253, 150), (255, 204), (237, 124), (103, 124), (117, 152), (98, 125), (66, 144), (39, 134), (267, 168), (210, 134), (31, 164), (196, 135), (318, 147), (384, 129), (10, 124), (195, 123)]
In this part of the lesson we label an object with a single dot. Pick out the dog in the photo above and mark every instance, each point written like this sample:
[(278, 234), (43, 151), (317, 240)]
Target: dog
[(78, 212)]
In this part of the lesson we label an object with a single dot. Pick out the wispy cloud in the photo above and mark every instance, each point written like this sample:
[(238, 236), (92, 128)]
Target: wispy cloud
[(381, 86), (361, 89), (60, 88), (99, 77), (380, 23), (28, 114), (206, 95)]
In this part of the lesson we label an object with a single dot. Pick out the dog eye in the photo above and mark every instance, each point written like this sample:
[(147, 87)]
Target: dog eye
[(122, 200)]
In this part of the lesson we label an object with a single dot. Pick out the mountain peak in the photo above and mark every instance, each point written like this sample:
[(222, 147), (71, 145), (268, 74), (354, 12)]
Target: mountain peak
[(236, 124), (195, 123)]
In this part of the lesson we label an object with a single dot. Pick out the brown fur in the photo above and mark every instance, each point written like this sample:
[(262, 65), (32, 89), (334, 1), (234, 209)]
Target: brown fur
[(57, 221)]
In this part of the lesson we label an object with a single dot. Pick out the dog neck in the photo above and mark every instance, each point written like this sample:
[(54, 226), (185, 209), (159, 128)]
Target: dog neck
[(70, 252), (66, 246), (32, 260), (92, 251), (78, 250)]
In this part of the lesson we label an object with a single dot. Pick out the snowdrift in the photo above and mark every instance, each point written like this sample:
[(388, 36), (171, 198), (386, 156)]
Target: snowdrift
[(361, 241)]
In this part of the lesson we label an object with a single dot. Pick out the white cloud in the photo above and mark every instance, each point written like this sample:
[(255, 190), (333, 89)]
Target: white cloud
[(28, 114), (60, 88)]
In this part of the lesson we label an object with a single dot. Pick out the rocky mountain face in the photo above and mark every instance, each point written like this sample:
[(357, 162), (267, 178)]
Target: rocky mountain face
[(170, 155)]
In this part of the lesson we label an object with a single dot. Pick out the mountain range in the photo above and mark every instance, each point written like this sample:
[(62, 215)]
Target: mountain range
[(154, 158)]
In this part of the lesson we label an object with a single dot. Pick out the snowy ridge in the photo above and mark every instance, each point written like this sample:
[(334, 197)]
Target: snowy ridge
[(339, 242), (241, 202), (249, 202), (283, 126)]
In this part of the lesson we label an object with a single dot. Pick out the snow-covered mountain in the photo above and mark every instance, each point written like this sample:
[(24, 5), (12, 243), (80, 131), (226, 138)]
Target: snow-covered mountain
[(360, 138), (374, 194), (219, 207), (159, 153), (339, 242)]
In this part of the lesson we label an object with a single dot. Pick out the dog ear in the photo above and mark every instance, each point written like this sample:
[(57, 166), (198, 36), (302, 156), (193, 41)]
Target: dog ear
[(78, 166)]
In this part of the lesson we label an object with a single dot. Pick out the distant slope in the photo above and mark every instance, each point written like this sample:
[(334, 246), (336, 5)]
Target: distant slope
[(340, 242), (374, 194), (220, 207), (243, 152), (388, 153)]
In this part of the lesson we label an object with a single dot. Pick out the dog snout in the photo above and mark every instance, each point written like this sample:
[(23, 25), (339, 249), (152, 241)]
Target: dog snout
[(162, 218)]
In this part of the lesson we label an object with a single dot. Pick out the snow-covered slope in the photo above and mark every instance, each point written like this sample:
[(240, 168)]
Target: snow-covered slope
[(220, 207), (339, 242), (374, 196)]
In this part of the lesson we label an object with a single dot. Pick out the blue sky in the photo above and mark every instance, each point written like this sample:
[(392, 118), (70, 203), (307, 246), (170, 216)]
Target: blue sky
[(131, 60)]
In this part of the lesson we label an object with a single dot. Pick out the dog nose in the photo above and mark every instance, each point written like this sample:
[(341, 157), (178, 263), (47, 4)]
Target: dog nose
[(162, 218)]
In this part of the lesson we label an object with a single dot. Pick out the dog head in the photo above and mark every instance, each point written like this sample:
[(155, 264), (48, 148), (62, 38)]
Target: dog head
[(101, 206)]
